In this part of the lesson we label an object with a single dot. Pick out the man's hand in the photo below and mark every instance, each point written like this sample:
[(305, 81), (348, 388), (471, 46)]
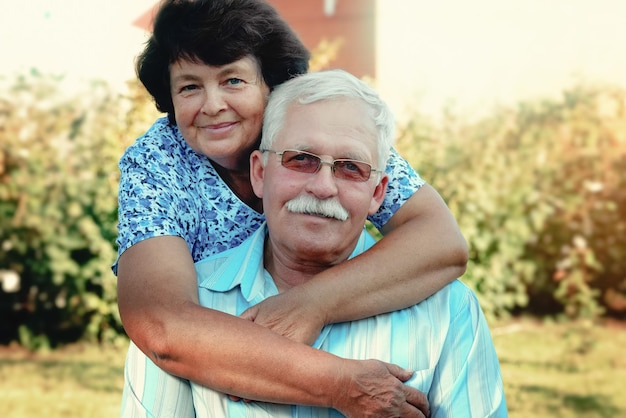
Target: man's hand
[(365, 388), (289, 314), (375, 389), (372, 388)]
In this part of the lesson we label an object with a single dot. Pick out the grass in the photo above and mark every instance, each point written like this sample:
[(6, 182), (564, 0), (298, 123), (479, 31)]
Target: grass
[(563, 370), (549, 369), (77, 381)]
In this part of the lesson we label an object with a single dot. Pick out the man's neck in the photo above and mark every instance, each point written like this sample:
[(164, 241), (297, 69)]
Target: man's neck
[(286, 271)]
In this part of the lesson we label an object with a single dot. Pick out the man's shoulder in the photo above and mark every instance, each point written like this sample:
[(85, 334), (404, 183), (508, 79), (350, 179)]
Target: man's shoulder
[(460, 288), (453, 299), (453, 290)]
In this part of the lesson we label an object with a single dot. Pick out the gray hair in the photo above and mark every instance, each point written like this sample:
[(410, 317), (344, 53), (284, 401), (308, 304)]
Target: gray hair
[(328, 85)]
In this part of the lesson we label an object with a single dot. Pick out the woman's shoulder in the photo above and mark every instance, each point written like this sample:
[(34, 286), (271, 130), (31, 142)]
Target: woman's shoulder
[(162, 143), (161, 135)]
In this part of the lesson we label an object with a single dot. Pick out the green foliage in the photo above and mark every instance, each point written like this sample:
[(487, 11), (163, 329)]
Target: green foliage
[(540, 194), (58, 206)]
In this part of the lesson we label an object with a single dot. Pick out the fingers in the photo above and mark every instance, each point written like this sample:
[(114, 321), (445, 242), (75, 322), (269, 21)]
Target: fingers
[(418, 400), (409, 411), (399, 373), (238, 399), (415, 399), (251, 313), (286, 317)]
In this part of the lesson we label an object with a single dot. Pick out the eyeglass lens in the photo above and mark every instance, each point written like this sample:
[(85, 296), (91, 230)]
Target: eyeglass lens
[(306, 162)]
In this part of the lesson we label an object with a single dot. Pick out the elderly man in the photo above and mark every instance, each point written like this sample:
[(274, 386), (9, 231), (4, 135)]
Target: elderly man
[(320, 172)]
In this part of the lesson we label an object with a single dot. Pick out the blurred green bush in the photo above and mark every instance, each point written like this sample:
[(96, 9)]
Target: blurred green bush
[(538, 190), (58, 206)]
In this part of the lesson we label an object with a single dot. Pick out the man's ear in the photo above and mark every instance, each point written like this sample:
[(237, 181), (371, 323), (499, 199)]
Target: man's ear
[(257, 171), (379, 194)]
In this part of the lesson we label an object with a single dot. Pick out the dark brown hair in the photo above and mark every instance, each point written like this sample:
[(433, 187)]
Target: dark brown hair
[(218, 32)]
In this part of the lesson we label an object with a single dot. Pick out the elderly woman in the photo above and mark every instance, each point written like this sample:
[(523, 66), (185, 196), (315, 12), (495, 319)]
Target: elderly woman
[(185, 194)]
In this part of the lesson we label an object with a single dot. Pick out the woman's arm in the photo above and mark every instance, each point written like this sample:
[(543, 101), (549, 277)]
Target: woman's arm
[(422, 251), (158, 302)]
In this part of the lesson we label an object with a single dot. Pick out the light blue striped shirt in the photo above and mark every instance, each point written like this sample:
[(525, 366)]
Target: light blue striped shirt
[(445, 339)]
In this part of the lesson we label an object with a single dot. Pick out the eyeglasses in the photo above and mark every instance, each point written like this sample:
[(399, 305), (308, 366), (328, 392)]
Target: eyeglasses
[(306, 162)]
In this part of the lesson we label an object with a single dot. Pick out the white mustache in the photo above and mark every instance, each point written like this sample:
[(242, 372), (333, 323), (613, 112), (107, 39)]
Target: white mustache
[(310, 205)]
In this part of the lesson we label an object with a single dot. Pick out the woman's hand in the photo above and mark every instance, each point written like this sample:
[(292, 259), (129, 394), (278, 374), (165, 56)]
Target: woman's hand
[(290, 314)]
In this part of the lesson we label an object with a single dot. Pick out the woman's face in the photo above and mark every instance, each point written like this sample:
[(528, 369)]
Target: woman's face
[(219, 110)]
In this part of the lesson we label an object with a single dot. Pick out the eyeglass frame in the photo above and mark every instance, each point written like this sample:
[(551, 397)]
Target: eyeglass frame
[(331, 164)]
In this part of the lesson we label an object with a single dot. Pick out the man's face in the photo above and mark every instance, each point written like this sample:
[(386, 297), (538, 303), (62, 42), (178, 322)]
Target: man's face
[(331, 129)]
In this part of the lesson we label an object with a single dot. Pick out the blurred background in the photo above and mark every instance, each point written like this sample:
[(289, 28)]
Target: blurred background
[(515, 111)]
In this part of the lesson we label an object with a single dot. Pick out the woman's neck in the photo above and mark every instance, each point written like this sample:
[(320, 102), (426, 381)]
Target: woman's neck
[(239, 182)]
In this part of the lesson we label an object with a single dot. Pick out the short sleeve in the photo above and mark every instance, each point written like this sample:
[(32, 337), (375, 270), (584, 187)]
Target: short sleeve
[(150, 202), (147, 205), (403, 182)]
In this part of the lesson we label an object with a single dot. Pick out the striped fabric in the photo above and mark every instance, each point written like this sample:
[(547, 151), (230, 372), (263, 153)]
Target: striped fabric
[(445, 339)]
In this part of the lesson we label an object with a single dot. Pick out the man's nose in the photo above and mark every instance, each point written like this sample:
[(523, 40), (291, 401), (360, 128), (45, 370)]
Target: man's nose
[(323, 183)]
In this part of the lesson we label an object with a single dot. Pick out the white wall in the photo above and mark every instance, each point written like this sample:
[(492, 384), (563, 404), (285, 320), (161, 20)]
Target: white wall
[(477, 53), (473, 52), (82, 39)]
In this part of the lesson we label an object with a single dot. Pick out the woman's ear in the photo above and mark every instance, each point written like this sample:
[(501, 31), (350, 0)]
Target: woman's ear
[(257, 171)]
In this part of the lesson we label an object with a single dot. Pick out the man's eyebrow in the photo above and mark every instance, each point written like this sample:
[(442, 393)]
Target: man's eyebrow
[(350, 155)]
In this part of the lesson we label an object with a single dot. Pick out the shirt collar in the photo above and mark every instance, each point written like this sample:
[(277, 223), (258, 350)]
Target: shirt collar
[(243, 265), (240, 266)]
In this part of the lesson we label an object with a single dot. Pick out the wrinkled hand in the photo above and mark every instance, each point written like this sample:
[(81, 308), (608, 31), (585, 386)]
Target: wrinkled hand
[(364, 388), (372, 388), (290, 314)]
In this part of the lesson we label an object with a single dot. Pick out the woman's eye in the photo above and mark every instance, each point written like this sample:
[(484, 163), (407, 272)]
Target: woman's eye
[(189, 87), (234, 81)]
